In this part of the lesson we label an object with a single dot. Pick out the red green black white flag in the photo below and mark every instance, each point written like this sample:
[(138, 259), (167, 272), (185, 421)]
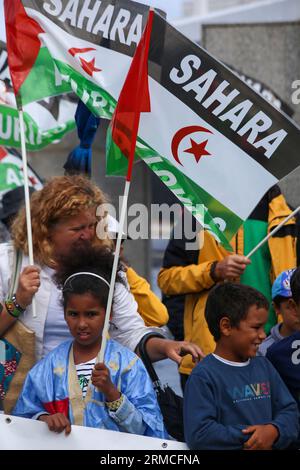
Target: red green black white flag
[(211, 139)]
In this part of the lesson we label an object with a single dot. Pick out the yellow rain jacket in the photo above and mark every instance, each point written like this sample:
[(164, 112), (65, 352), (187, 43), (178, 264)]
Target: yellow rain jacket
[(151, 309), (195, 281)]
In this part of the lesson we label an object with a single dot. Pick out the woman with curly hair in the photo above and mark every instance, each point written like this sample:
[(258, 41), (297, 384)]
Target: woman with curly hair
[(63, 219)]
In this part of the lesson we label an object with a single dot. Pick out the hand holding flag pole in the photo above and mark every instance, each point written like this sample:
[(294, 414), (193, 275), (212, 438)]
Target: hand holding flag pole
[(19, 69), (275, 230), (27, 198), (134, 99)]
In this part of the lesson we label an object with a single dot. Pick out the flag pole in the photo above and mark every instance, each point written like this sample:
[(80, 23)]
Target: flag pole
[(273, 232), (119, 239), (27, 198), (135, 128), (114, 270)]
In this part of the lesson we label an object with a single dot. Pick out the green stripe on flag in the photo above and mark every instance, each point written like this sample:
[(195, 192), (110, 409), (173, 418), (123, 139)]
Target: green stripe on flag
[(116, 162), (36, 138), (56, 77), (99, 102), (261, 263), (191, 195), (11, 176), (43, 80)]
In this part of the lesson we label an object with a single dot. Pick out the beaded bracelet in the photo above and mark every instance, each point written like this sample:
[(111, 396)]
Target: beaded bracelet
[(18, 306), (115, 405), (13, 308)]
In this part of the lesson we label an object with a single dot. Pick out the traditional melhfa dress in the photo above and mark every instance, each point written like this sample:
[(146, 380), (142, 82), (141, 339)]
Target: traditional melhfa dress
[(52, 386)]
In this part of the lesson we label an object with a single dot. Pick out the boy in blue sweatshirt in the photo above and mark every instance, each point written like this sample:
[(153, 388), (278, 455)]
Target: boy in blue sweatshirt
[(233, 399)]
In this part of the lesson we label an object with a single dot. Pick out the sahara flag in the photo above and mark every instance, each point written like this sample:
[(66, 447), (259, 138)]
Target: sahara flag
[(11, 172), (215, 143), (46, 121)]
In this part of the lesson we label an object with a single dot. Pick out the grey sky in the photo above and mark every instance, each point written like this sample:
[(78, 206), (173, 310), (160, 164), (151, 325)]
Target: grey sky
[(171, 7)]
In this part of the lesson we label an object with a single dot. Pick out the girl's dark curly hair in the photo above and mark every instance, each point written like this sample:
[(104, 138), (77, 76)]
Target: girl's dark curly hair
[(97, 260)]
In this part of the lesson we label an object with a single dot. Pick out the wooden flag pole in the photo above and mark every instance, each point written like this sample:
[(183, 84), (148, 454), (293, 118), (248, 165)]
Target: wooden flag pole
[(273, 232), (27, 198)]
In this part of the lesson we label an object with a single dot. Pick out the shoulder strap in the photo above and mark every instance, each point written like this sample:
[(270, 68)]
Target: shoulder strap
[(16, 269), (141, 348)]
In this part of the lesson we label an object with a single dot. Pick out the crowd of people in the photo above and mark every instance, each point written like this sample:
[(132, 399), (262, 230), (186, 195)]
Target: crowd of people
[(240, 387)]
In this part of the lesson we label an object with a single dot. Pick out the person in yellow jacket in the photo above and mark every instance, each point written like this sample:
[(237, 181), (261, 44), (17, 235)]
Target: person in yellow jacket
[(151, 309), (212, 264)]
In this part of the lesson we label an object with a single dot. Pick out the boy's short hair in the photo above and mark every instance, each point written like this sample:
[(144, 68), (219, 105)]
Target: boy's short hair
[(232, 301), (295, 285), (279, 299)]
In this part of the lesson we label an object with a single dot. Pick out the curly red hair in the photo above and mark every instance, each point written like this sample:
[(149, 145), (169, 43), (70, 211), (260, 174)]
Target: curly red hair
[(61, 198)]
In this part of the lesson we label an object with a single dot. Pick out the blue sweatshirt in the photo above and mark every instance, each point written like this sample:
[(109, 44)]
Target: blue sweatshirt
[(273, 337), (221, 399), (285, 356)]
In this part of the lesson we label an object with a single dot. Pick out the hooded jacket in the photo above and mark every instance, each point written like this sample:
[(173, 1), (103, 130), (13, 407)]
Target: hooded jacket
[(181, 276)]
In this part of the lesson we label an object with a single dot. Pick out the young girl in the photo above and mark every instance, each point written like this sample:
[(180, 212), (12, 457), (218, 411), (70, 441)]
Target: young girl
[(70, 385)]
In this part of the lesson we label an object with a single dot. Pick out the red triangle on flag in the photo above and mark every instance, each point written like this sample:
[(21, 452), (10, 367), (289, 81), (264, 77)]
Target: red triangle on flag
[(23, 44)]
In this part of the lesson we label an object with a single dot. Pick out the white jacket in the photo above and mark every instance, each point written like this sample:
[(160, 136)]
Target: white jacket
[(127, 326)]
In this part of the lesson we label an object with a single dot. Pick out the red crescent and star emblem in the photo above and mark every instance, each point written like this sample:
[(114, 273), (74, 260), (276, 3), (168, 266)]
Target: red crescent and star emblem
[(196, 149), (88, 66)]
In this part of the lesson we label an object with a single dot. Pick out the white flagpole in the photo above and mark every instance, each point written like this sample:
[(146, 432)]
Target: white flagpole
[(114, 270), (274, 231), (123, 210), (27, 198)]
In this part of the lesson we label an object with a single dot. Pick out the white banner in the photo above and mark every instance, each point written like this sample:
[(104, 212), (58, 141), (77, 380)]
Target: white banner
[(29, 434)]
